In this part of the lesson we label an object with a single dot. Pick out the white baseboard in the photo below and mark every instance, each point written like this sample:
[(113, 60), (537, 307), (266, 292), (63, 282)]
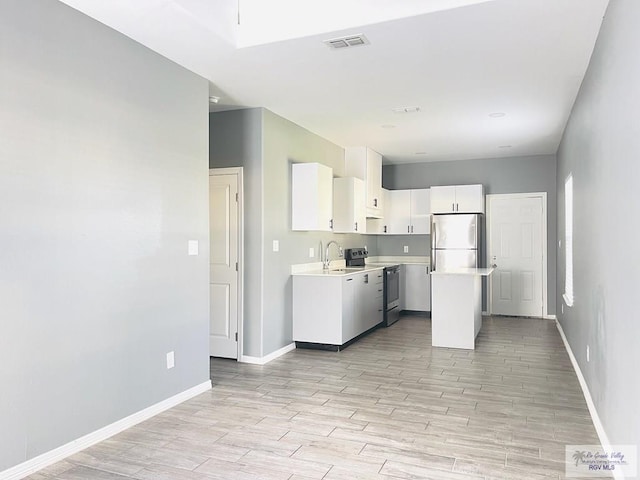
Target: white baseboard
[(602, 435), (268, 358), (41, 461), (550, 317)]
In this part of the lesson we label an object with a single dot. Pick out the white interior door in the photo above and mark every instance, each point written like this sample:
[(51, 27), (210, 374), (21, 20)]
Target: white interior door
[(516, 248), (223, 276)]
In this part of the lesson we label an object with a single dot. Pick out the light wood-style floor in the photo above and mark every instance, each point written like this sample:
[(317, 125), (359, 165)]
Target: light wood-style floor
[(388, 407)]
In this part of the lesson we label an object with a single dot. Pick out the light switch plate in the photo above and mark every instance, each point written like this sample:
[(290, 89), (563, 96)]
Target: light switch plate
[(406, 249), (276, 245), (171, 361), (192, 247)]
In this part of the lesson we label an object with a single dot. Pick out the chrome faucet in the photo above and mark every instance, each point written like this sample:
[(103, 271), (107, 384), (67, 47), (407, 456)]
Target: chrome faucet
[(327, 260)]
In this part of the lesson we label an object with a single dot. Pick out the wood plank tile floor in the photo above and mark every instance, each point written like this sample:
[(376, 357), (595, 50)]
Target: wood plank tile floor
[(388, 407)]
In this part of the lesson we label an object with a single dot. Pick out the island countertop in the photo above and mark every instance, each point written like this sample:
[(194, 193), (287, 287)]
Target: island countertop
[(482, 272)]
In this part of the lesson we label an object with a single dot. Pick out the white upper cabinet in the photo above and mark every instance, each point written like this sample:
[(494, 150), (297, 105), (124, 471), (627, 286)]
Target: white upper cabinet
[(364, 163), (470, 199), (443, 199), (311, 197), (408, 212), (421, 211), (378, 226), (398, 218), (348, 205), (457, 199)]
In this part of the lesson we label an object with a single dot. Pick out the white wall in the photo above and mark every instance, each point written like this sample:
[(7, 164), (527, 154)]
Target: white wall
[(601, 149), (103, 180)]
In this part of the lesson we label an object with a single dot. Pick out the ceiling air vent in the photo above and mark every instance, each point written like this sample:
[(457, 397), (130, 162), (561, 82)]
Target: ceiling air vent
[(346, 42), (406, 110)]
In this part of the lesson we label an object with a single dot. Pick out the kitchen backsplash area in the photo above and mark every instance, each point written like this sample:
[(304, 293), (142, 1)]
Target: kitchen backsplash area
[(394, 245)]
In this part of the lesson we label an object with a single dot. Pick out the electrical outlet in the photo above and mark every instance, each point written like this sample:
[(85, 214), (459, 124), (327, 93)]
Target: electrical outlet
[(276, 245), (312, 252), (171, 361), (406, 249), (588, 354)]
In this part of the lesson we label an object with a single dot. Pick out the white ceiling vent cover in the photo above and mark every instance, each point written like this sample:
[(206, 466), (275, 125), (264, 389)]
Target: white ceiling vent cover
[(346, 42)]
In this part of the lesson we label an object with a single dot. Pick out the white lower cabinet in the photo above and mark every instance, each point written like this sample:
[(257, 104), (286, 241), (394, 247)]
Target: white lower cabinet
[(332, 310), (416, 288), (369, 301)]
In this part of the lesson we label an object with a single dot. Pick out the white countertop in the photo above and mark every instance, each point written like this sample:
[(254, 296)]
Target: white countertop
[(399, 260), (483, 272), (338, 271), (337, 267)]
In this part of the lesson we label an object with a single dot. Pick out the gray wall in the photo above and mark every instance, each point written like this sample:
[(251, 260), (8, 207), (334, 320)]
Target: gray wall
[(286, 143), (103, 180), (234, 138), (498, 175), (601, 147)]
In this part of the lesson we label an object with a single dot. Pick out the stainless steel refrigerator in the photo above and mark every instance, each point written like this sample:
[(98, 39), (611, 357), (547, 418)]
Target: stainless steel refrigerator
[(455, 240)]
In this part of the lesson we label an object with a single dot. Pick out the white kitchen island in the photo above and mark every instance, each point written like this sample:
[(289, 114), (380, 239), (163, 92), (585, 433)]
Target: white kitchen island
[(456, 306)]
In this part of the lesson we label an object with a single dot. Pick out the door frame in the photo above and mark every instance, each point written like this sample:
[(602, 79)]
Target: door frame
[(239, 172), (543, 196)]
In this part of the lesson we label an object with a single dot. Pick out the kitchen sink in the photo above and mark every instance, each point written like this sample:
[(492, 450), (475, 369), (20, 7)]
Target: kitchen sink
[(343, 270)]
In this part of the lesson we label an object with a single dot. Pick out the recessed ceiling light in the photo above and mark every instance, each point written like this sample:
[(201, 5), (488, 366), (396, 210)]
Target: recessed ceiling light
[(421, 153), (497, 114), (504, 146), (388, 125), (214, 99), (406, 110)]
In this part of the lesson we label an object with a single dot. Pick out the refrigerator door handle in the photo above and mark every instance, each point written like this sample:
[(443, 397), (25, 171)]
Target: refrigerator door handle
[(433, 233)]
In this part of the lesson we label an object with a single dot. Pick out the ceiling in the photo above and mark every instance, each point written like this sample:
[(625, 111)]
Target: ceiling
[(491, 78)]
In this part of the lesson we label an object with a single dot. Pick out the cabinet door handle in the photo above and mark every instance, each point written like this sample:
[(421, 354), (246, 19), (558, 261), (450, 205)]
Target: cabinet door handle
[(385, 229), (375, 202), (408, 229), (453, 207), (366, 278), (331, 224), (349, 279), (411, 228), (356, 226), (457, 208)]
